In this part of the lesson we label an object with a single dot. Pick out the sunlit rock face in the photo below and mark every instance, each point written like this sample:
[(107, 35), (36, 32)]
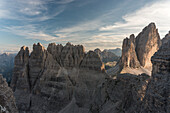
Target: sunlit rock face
[(157, 95), (50, 80), (137, 52), (7, 100), (147, 43)]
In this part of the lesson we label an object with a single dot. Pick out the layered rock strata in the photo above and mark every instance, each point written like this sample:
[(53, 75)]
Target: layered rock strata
[(48, 80), (157, 94)]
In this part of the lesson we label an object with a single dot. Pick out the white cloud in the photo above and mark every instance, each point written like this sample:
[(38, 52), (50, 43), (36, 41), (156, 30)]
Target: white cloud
[(29, 32), (32, 10), (158, 12), (80, 32)]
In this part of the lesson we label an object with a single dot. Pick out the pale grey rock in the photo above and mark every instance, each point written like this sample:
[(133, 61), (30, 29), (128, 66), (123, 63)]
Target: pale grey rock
[(55, 50), (125, 93), (166, 38), (92, 61), (44, 82), (137, 52), (147, 43), (7, 100), (161, 60), (157, 94), (97, 51), (129, 57), (20, 82), (68, 55), (72, 55)]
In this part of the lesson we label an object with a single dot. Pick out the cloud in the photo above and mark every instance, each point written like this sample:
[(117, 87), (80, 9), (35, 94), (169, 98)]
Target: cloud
[(80, 32), (133, 22), (32, 10), (29, 32), (9, 48)]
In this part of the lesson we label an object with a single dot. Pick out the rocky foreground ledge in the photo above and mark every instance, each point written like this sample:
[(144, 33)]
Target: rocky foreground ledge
[(7, 100)]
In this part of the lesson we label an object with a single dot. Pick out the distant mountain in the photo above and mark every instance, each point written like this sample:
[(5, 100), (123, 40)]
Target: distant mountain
[(6, 65), (106, 56), (116, 51)]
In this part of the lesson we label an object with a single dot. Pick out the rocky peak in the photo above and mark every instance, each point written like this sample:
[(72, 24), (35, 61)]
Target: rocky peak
[(132, 38), (92, 61), (38, 48), (68, 44), (45, 82), (55, 50), (137, 52), (166, 38), (129, 58), (161, 60), (147, 43), (68, 55), (98, 51), (20, 62), (22, 57)]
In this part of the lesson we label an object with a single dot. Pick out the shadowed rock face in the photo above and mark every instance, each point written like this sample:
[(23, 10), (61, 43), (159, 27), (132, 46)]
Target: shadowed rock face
[(157, 94), (92, 61), (129, 57), (41, 84), (166, 38), (7, 100), (52, 87), (67, 56), (48, 80)]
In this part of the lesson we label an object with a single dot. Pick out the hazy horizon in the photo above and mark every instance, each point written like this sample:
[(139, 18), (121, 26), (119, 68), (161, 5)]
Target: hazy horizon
[(92, 23)]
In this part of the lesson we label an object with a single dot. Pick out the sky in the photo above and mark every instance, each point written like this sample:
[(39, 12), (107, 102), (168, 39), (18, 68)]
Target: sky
[(93, 23)]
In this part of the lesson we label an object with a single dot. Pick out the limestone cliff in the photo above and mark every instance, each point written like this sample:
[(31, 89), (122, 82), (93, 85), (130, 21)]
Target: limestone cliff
[(137, 52), (157, 94), (129, 57), (48, 80), (7, 100), (147, 43), (166, 38), (44, 83)]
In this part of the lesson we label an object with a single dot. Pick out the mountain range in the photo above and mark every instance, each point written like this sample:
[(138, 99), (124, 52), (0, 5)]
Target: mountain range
[(66, 79)]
